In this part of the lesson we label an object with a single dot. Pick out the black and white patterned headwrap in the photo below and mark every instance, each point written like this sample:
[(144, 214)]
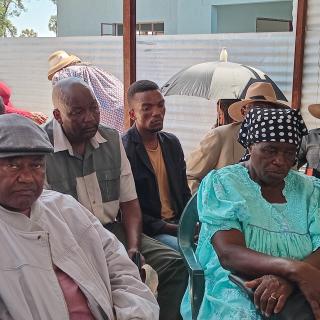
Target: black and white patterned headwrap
[(271, 125)]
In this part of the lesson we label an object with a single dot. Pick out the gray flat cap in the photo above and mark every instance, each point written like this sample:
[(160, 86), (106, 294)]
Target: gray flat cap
[(20, 136)]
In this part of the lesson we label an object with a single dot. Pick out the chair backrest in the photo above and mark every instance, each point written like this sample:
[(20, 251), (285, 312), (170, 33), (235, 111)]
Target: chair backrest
[(186, 233), (187, 225)]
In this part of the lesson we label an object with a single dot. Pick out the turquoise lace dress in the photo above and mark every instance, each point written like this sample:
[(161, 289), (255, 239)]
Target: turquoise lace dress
[(229, 199)]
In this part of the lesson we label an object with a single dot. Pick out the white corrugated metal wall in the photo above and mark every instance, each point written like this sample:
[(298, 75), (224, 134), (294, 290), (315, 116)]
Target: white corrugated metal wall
[(23, 65), (311, 74)]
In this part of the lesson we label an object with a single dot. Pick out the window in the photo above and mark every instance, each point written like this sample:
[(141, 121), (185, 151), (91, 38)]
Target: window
[(145, 28), (107, 29), (273, 25), (152, 28)]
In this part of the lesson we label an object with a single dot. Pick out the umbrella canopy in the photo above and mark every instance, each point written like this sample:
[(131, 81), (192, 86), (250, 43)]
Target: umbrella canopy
[(217, 80)]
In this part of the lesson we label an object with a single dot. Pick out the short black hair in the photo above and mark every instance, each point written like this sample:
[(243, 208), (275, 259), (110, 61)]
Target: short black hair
[(2, 107), (141, 86)]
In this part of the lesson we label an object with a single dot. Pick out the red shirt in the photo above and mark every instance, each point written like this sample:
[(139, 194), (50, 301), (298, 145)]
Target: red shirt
[(76, 301)]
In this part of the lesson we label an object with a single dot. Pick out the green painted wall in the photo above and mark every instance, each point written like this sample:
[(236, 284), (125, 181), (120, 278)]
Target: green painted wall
[(242, 18), (194, 17), (164, 10), (84, 17)]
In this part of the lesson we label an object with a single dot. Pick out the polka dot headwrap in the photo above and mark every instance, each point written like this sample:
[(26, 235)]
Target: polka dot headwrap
[(271, 125)]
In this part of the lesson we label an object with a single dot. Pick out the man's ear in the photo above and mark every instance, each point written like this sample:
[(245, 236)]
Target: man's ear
[(243, 110), (57, 115), (132, 115), (250, 149)]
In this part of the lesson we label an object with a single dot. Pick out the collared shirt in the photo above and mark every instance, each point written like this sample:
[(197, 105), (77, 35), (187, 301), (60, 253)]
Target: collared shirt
[(310, 150), (98, 180), (76, 301)]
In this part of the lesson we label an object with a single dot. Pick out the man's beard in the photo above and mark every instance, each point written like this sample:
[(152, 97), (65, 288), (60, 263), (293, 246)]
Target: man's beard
[(155, 130)]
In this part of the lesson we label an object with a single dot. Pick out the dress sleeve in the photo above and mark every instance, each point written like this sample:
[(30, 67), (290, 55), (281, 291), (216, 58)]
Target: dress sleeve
[(314, 217), (220, 206)]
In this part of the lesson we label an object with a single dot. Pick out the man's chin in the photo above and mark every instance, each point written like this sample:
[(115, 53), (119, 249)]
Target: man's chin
[(156, 129), (89, 134), (20, 206), (275, 178)]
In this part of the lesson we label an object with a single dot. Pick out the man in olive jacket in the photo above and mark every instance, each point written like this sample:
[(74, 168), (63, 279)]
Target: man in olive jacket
[(157, 163)]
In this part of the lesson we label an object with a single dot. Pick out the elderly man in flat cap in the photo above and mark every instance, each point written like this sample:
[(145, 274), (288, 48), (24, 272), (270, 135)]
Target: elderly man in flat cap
[(89, 162), (57, 260)]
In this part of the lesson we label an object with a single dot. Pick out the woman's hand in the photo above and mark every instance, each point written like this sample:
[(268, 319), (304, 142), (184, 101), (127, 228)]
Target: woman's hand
[(271, 293), (308, 281)]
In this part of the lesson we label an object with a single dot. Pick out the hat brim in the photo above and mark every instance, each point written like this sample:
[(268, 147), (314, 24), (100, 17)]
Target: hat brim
[(63, 63), (234, 109), (22, 154), (314, 109)]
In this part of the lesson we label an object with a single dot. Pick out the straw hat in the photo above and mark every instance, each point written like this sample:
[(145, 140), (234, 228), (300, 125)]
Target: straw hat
[(59, 60), (314, 109), (256, 92)]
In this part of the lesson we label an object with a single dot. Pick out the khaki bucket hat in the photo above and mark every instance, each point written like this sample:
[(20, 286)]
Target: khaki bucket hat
[(59, 60), (256, 92)]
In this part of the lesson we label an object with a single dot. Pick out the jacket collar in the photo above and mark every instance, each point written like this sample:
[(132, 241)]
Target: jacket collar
[(167, 158), (142, 152), (20, 221), (135, 135), (140, 148), (61, 142)]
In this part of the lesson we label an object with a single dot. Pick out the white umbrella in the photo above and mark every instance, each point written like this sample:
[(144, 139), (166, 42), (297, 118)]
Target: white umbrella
[(217, 80)]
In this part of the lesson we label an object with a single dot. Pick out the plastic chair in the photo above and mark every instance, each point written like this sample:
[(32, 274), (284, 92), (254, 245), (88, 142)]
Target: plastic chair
[(186, 232), (296, 307)]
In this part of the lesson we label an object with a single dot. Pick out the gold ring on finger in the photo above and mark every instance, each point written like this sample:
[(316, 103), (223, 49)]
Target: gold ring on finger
[(273, 297)]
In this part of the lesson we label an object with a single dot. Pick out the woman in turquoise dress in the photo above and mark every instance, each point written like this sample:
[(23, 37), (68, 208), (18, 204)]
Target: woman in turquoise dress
[(259, 219)]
